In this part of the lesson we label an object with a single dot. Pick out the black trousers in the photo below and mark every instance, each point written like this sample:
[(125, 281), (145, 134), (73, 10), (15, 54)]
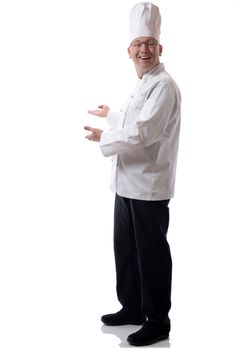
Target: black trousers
[(142, 257)]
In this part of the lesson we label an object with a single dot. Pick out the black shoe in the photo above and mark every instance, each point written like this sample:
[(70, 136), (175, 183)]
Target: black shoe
[(147, 335), (123, 317)]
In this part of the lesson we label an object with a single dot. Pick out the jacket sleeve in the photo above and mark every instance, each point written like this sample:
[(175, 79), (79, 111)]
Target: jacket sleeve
[(113, 118), (148, 127)]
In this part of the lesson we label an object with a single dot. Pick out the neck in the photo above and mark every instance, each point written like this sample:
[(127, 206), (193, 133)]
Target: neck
[(142, 72)]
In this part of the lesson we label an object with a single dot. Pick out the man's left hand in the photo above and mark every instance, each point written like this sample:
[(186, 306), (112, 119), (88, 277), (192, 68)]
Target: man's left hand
[(95, 134)]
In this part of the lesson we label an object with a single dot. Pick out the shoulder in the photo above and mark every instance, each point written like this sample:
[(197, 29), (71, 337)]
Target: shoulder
[(164, 81)]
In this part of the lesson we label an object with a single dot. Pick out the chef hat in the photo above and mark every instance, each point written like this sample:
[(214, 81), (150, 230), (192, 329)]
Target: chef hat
[(144, 20)]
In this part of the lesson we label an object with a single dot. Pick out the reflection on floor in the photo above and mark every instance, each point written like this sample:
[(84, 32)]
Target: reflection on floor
[(122, 333)]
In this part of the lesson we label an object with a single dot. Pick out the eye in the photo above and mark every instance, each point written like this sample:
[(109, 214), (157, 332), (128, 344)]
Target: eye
[(137, 44)]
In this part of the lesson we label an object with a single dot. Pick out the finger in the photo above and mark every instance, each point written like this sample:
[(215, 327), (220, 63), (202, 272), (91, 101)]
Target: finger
[(95, 112), (89, 137), (89, 128)]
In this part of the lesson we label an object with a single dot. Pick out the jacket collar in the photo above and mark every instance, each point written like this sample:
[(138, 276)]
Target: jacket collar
[(154, 71)]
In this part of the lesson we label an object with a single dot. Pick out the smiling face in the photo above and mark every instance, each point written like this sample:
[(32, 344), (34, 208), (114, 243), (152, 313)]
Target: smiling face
[(145, 52)]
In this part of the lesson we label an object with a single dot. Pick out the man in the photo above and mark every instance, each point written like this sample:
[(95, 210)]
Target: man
[(143, 140)]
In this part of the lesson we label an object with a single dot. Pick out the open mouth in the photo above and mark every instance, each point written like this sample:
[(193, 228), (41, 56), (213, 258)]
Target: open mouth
[(144, 58)]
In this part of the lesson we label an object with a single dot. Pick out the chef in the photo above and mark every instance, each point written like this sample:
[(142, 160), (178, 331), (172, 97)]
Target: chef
[(143, 140)]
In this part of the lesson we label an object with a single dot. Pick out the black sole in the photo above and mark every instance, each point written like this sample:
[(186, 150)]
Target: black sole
[(149, 342)]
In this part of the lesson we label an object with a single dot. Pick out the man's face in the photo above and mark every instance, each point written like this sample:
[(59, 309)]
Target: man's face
[(145, 52)]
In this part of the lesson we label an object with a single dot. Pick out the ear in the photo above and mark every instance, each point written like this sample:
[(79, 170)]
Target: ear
[(160, 49), (129, 53)]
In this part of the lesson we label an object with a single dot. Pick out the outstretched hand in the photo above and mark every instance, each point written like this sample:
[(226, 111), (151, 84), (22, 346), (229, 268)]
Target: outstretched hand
[(101, 111), (95, 134)]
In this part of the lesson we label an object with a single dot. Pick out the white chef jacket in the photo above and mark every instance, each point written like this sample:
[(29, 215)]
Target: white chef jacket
[(144, 139)]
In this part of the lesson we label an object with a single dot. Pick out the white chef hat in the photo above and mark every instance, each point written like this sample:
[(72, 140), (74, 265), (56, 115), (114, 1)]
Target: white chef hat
[(144, 20)]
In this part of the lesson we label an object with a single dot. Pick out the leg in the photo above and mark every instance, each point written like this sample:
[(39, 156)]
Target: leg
[(126, 257), (151, 220)]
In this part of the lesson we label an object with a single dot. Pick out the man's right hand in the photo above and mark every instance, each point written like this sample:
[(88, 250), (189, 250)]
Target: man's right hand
[(101, 111)]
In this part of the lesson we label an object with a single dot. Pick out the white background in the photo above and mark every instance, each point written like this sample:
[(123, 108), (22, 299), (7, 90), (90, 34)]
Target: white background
[(58, 59)]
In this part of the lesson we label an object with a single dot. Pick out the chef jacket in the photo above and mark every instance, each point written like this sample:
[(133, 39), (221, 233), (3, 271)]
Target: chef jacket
[(144, 138)]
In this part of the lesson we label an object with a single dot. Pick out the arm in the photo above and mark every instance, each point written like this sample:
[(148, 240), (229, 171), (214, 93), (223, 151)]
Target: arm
[(148, 127)]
